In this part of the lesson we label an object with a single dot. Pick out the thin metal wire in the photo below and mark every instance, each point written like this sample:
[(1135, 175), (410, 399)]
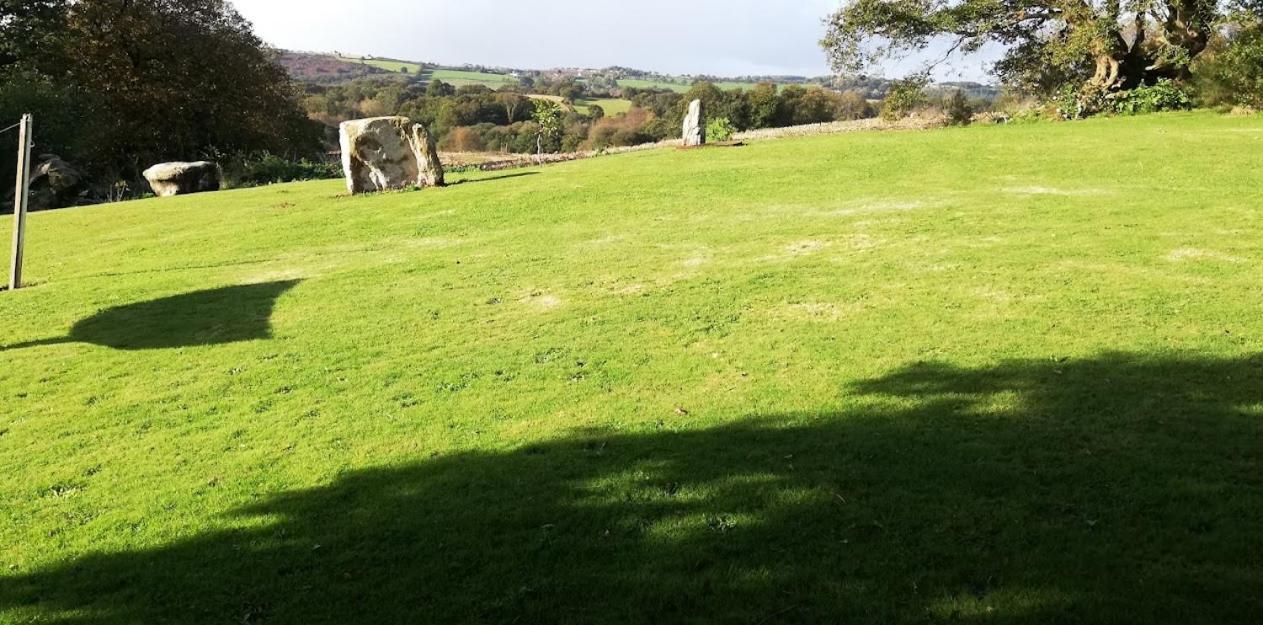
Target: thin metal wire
[(10, 128)]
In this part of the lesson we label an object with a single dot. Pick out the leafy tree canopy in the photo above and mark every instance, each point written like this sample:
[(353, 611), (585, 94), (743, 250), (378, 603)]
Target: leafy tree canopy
[(159, 79), (27, 28), (1098, 46)]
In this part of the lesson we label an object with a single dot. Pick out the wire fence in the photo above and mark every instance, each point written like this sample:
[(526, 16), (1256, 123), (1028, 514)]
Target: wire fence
[(10, 128)]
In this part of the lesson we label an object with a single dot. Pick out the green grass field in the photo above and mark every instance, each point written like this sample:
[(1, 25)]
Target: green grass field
[(986, 375), (386, 64), (653, 84), (461, 78), (455, 77)]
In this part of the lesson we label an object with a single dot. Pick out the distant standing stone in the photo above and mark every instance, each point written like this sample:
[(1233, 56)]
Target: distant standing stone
[(169, 179), (695, 125), (384, 153)]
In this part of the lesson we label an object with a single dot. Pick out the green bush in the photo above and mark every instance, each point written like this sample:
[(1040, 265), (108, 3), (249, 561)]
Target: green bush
[(269, 168), (1072, 103), (959, 111), (904, 98), (720, 129), (1163, 96), (1232, 73), (1028, 116)]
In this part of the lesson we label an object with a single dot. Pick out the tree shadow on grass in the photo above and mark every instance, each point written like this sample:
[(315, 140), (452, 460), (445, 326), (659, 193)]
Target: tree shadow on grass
[(213, 317), (493, 178), (1122, 489)]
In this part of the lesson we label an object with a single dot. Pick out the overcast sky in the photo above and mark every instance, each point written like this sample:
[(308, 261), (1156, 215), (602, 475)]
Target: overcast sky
[(717, 37)]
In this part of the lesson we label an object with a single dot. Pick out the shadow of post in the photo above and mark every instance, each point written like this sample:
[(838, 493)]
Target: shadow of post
[(1119, 489), (212, 317)]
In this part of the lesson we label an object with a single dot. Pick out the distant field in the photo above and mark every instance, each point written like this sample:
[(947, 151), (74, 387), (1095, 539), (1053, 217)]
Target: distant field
[(652, 84), (551, 98), (997, 375), (727, 85), (388, 65), (455, 77), (611, 106), (461, 78)]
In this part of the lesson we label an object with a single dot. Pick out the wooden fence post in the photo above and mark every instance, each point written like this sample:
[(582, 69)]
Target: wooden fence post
[(21, 200)]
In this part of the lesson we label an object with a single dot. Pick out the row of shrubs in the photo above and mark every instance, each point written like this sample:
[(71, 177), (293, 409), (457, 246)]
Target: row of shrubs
[(910, 98), (266, 168)]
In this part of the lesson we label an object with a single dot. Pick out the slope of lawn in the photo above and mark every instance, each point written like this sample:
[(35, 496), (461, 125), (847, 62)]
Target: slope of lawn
[(985, 375)]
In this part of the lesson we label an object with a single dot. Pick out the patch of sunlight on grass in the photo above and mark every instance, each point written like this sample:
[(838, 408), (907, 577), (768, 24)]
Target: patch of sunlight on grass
[(864, 378)]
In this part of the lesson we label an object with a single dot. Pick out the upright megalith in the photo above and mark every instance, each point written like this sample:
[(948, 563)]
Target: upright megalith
[(384, 153), (695, 125), (168, 179)]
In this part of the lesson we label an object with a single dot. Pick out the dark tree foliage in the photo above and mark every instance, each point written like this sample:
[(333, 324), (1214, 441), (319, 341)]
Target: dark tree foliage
[(959, 111), (27, 30), (60, 125), (439, 89), (182, 78), (163, 79)]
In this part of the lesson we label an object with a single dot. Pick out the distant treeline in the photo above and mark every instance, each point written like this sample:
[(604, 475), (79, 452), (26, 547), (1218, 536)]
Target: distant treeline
[(480, 118), (324, 69), (476, 118)]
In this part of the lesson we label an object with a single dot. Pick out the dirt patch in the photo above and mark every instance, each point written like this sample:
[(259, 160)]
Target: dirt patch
[(1186, 254), (542, 302), (880, 207)]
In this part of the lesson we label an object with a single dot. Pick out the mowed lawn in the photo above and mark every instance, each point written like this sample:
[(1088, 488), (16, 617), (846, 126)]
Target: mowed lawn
[(985, 375)]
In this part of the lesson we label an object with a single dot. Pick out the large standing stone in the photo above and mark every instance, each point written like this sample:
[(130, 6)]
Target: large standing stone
[(168, 179), (695, 125), (389, 153)]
